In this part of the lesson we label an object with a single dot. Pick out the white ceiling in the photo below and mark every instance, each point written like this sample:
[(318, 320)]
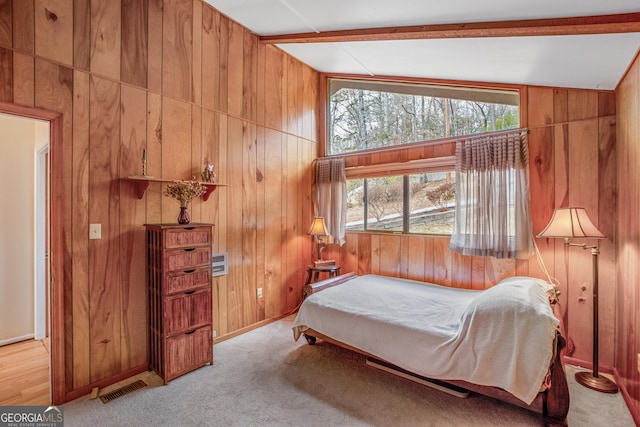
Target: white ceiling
[(580, 61)]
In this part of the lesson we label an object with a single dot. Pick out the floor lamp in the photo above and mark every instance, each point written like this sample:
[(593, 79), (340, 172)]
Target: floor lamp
[(567, 224)]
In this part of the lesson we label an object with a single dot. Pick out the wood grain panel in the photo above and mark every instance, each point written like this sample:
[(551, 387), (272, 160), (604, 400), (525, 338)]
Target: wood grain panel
[(461, 268), (560, 105), (293, 265), (82, 34), (235, 67), (223, 239), (273, 88), (415, 258), (261, 254), (441, 261), (154, 40), (582, 104), (210, 56), (133, 293), (176, 150), (261, 83), (153, 194), (390, 256), (221, 102), (234, 226), (249, 224), (309, 104), (273, 180), (6, 75), (197, 165), (606, 104), (23, 78), (6, 23), (177, 49), (23, 25), (292, 90), (54, 30), (541, 181), (211, 154), (134, 42), (197, 52), (539, 106), (80, 230), (106, 33), (364, 253), (250, 76), (104, 281)]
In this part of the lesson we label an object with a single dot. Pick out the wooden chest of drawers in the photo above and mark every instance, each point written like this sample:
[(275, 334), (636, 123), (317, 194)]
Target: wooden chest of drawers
[(180, 305)]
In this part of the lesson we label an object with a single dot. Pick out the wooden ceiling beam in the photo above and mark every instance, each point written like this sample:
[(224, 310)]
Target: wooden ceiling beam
[(600, 24)]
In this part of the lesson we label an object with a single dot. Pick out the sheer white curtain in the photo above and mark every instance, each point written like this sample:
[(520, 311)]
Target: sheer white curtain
[(331, 196), (492, 196)]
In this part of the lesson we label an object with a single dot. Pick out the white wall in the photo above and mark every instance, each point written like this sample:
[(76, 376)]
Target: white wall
[(20, 140)]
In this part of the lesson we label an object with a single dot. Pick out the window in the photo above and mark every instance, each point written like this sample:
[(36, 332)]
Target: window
[(411, 203), (367, 115)]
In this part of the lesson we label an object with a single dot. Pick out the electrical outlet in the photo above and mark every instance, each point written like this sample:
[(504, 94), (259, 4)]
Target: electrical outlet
[(215, 333), (259, 293)]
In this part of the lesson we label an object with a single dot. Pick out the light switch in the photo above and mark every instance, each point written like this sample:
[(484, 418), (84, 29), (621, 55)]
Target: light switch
[(95, 231)]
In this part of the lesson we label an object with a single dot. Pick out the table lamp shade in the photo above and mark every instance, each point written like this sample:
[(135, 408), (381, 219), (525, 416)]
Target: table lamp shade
[(570, 223), (318, 227)]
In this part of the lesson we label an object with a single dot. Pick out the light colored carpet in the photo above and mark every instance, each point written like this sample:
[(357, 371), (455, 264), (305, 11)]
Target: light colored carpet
[(264, 378)]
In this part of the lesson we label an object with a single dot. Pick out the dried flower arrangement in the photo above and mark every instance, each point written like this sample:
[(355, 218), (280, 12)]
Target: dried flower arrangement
[(184, 191)]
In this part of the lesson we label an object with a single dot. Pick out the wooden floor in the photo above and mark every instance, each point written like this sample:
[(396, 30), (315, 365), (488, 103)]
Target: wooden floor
[(24, 374)]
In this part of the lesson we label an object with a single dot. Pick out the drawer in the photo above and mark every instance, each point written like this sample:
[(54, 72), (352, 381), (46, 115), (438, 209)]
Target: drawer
[(187, 236), (188, 351), (187, 310), (185, 280), (185, 259)]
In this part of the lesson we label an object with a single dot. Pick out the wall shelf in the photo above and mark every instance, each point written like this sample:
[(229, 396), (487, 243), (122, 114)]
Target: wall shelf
[(140, 184)]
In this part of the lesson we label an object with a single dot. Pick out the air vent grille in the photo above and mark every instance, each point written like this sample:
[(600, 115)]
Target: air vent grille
[(112, 395)]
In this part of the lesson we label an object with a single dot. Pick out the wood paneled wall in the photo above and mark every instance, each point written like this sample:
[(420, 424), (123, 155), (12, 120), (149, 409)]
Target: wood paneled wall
[(189, 85), (628, 260), (572, 152)]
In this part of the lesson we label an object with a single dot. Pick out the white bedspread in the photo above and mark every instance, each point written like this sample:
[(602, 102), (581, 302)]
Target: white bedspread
[(499, 337)]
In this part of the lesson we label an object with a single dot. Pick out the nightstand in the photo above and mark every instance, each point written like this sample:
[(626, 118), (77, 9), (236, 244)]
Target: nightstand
[(313, 272)]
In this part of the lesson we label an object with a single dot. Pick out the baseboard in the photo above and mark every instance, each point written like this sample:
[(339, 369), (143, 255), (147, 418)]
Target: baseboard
[(568, 360), (249, 328), (16, 339), (635, 414), (82, 391)]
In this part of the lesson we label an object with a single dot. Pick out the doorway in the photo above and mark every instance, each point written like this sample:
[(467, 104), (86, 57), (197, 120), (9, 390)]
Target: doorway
[(55, 239), (24, 146)]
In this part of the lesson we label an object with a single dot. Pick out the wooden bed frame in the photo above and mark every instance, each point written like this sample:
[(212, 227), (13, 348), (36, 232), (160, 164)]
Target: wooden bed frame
[(552, 403)]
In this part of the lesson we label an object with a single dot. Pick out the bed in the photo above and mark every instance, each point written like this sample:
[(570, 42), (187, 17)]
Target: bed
[(503, 342)]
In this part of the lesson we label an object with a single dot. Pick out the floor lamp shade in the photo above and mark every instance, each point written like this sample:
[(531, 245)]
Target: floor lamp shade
[(570, 223), (567, 224)]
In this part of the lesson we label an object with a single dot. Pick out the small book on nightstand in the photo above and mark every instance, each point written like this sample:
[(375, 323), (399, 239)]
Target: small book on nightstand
[(323, 262)]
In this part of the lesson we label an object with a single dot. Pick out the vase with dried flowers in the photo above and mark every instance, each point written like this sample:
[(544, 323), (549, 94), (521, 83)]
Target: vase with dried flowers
[(183, 192)]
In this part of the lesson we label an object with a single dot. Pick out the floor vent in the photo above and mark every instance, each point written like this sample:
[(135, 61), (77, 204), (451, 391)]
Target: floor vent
[(108, 397)]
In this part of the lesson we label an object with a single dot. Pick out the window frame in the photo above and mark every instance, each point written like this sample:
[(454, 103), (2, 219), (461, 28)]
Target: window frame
[(324, 122), (437, 151), (403, 170)]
